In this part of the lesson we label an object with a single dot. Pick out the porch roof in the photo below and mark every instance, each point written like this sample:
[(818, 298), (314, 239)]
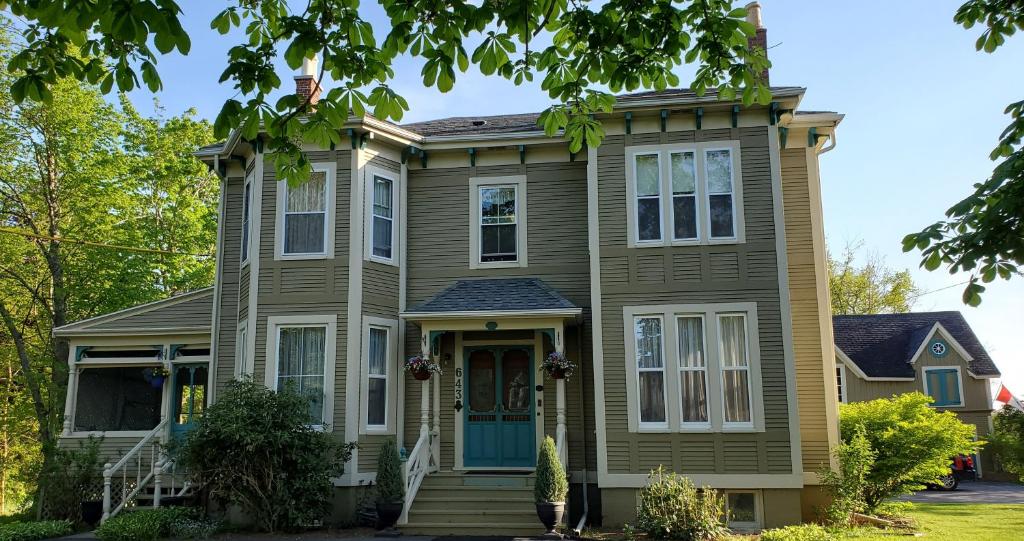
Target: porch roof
[(508, 297)]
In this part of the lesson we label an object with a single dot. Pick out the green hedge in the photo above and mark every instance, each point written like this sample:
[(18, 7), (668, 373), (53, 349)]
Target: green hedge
[(804, 532), (34, 531), (144, 524)]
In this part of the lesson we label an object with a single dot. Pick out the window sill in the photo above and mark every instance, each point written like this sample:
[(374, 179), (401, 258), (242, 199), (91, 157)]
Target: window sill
[(244, 263), (497, 265), (383, 261), (302, 257), (740, 429)]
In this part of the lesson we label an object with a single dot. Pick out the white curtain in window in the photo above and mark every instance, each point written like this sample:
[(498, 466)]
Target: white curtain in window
[(735, 368), (306, 215), (377, 386), (301, 358), (692, 370), (651, 367)]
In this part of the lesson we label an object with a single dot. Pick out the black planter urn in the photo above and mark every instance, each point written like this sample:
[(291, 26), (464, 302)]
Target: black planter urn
[(387, 514), (550, 515), (92, 511)]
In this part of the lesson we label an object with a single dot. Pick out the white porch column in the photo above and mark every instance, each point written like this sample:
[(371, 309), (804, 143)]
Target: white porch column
[(435, 435), (425, 386), (560, 430)]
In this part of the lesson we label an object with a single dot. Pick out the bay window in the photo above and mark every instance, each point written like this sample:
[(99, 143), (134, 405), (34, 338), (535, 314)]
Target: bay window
[(382, 219), (380, 365), (674, 370), (377, 386), (300, 356), (686, 193), (305, 216)]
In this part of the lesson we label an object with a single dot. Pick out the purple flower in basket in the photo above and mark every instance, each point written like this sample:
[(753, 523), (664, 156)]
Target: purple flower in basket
[(422, 367), (557, 366)]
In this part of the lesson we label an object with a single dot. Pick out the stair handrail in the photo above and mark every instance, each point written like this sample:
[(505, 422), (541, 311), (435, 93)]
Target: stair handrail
[(141, 480), (418, 465)]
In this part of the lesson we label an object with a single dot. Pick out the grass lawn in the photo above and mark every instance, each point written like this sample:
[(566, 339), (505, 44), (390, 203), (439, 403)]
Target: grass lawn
[(969, 522)]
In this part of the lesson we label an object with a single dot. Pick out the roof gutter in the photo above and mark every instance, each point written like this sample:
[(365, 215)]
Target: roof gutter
[(519, 314)]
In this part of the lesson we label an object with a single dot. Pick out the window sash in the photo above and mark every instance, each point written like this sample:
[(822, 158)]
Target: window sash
[(734, 365), (305, 203), (302, 360), (378, 373), (681, 196), (720, 194), (656, 234), (653, 412), (693, 373), (246, 213), (382, 223), (497, 196), (841, 383)]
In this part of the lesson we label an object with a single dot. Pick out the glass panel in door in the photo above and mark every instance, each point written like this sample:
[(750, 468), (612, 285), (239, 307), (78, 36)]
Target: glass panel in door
[(516, 416), (189, 396), (481, 430)]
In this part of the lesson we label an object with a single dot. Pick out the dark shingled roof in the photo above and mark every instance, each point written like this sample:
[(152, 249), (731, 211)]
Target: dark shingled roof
[(526, 122), (497, 294), (882, 345)]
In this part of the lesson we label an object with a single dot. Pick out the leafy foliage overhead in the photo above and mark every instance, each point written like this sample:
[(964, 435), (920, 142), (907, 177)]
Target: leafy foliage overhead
[(984, 233), (872, 288), (619, 44)]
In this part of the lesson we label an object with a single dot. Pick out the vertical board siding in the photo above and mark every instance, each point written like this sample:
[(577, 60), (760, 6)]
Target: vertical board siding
[(693, 274)]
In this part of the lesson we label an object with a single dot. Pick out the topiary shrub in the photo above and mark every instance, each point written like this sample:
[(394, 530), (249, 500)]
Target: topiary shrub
[(551, 484), (847, 484), (671, 507), (390, 488), (143, 524), (35, 531), (255, 448), (804, 532), (913, 443)]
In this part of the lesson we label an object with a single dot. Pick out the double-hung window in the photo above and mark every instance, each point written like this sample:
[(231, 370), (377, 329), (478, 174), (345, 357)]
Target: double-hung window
[(378, 387), (246, 215), (305, 216), (943, 384), (382, 215), (684, 194), (243, 361), (650, 364), (498, 222), (841, 382), (301, 361), (693, 367), (377, 373)]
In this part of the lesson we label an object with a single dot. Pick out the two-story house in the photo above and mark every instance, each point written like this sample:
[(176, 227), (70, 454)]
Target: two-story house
[(681, 265)]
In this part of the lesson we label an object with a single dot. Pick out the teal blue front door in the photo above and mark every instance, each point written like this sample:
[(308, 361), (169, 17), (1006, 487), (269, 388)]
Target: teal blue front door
[(189, 385), (499, 429)]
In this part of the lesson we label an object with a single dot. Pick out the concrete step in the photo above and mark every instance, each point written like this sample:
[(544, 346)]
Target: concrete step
[(460, 504), (442, 503), (480, 517), (479, 480), (514, 529)]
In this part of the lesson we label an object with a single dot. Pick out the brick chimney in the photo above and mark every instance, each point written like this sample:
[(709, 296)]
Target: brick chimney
[(760, 39), (305, 84)]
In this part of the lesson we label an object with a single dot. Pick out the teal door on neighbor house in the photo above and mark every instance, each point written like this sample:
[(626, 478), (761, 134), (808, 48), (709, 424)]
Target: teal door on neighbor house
[(189, 399), (499, 417)]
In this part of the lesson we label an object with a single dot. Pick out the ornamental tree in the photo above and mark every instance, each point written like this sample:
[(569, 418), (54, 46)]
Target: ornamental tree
[(573, 46)]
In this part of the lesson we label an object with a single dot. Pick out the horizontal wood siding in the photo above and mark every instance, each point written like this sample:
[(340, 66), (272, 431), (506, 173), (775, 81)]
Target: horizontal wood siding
[(228, 282), (745, 272), (193, 312)]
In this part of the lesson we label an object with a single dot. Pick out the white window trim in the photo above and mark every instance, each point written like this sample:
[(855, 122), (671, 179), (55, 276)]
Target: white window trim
[(722, 369), (959, 383), (701, 426), (758, 511), (517, 181), (712, 361), (842, 381), (330, 169), (703, 202), (330, 321), (391, 397), (370, 172), (243, 360), (246, 241), (652, 426)]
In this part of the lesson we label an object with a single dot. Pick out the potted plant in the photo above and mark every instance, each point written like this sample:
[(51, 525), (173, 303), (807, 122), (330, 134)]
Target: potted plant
[(156, 375), (421, 367), (390, 488), (550, 487), (557, 366)]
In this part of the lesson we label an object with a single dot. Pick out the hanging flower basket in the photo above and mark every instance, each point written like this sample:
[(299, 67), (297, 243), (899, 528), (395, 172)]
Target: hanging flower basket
[(156, 376), (421, 367), (557, 366)]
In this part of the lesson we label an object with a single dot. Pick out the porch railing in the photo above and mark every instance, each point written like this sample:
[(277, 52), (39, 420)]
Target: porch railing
[(131, 485), (419, 464)]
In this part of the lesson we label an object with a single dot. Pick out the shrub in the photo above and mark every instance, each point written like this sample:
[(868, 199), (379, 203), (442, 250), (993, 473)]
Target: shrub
[(913, 443), (1007, 439), (142, 524), (846, 486), (390, 488), (254, 448), (34, 531), (672, 508), (193, 528), (550, 484), (803, 532), (71, 475)]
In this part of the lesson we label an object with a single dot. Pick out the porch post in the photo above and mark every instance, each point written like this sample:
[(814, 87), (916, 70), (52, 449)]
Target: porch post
[(425, 386), (560, 431)]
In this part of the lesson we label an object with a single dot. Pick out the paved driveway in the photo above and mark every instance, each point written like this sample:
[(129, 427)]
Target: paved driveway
[(973, 492)]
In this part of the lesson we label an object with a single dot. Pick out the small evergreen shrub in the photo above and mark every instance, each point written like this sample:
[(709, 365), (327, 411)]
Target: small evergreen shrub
[(143, 524), (671, 507), (35, 531), (803, 532), (846, 486), (390, 488), (255, 449), (551, 484)]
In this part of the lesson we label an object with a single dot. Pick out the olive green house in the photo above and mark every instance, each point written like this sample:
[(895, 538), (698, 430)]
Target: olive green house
[(680, 265)]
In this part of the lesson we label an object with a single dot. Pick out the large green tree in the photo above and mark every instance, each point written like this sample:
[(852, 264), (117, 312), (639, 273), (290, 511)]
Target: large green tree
[(984, 233), (100, 208), (573, 45), (868, 288)]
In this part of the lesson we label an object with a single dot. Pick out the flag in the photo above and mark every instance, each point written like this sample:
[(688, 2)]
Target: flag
[(1006, 397)]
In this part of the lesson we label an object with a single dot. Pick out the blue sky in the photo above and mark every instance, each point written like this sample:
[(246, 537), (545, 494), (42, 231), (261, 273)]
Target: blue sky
[(923, 109)]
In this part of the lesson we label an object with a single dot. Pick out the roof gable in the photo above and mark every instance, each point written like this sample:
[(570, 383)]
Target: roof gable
[(188, 312), (887, 345)]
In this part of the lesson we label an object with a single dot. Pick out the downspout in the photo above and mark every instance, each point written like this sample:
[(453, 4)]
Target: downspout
[(831, 142), (583, 427)]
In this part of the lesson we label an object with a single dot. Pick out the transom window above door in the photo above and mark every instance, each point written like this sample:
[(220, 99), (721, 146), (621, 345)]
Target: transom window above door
[(498, 222), (305, 216), (684, 194)]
